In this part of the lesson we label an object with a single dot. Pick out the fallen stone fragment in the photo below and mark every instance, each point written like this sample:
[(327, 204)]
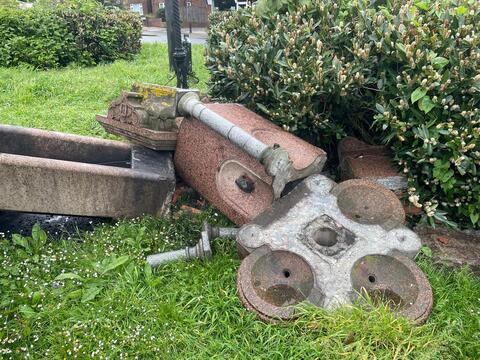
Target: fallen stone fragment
[(145, 115), (155, 140), (452, 247), (326, 243), (229, 178), (190, 210), (359, 160)]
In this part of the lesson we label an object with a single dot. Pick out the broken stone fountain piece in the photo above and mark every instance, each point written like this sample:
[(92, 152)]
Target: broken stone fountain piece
[(55, 173), (202, 250), (326, 243), (236, 182), (280, 158), (145, 115), (359, 160), (452, 247)]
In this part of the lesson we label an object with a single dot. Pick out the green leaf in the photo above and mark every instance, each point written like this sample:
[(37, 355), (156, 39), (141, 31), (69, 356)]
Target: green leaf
[(148, 271), (38, 234), (75, 294), (400, 47), (69, 276), (426, 104), (380, 84), (474, 218), (380, 108), (90, 293), (114, 262), (425, 250), (20, 241), (39, 238), (418, 94), (263, 108), (422, 5), (26, 311), (36, 297), (439, 62)]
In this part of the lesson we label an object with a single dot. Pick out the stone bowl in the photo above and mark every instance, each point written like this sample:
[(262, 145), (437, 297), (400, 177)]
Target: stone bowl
[(369, 203), (395, 280), (273, 283)]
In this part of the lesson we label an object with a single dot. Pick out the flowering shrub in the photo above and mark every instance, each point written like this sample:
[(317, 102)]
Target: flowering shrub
[(51, 35), (406, 73)]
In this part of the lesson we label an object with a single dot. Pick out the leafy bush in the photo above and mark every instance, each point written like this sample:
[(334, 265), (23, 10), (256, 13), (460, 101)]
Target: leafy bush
[(403, 72), (52, 35)]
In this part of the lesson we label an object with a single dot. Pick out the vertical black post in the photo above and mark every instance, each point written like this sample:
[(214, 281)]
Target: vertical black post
[(171, 45), (177, 53)]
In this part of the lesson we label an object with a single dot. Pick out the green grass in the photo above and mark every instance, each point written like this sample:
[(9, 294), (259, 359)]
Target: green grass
[(182, 310), (67, 100)]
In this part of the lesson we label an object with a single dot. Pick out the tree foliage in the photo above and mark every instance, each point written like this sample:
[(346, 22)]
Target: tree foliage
[(403, 72), (51, 35)]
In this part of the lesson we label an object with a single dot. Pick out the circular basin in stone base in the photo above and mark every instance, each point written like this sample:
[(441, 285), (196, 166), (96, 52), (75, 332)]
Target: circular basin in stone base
[(272, 283), (369, 203), (396, 280)]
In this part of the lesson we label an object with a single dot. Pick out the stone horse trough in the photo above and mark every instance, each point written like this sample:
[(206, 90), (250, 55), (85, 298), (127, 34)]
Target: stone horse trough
[(55, 173)]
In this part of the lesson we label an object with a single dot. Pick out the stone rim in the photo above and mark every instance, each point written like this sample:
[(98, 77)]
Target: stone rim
[(396, 214), (420, 309), (268, 312)]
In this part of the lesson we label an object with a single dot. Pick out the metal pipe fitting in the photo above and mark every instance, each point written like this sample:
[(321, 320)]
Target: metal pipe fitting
[(202, 250), (216, 232)]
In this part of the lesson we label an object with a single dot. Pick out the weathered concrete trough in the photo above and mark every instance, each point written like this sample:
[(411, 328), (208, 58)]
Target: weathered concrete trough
[(56, 173)]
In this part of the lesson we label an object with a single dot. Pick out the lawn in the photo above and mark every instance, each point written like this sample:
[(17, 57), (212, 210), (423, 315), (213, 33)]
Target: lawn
[(108, 304)]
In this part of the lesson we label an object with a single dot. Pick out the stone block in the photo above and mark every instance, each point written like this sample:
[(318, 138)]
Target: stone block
[(359, 160)]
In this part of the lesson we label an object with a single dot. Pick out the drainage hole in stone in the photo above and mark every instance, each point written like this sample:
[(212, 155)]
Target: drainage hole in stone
[(286, 273), (357, 216), (372, 278), (325, 237)]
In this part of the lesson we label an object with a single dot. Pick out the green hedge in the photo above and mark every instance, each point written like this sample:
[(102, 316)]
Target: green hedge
[(48, 36), (403, 72)]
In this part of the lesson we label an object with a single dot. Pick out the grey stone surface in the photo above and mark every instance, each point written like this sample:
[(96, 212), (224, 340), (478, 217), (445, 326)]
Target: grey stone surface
[(55, 173), (331, 227)]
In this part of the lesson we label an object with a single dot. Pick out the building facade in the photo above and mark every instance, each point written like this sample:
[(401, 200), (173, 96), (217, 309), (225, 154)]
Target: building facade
[(192, 12), (147, 7)]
